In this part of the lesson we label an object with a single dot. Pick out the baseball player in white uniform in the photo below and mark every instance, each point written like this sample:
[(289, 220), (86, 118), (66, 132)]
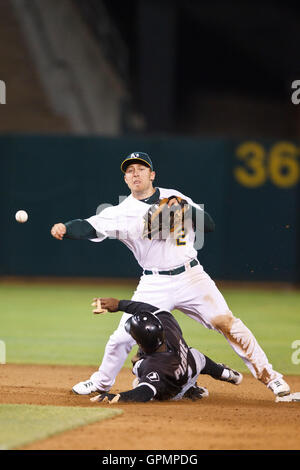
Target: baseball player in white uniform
[(172, 277)]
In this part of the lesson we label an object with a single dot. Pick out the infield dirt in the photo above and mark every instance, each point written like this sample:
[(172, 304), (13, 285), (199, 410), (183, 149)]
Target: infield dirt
[(243, 417)]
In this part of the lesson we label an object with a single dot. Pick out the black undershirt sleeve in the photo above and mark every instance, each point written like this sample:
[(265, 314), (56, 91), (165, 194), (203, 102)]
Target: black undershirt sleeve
[(209, 225), (80, 229), (142, 393), (129, 306)]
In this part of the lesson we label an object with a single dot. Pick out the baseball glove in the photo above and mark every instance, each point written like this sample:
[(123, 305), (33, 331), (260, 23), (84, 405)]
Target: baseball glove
[(162, 222)]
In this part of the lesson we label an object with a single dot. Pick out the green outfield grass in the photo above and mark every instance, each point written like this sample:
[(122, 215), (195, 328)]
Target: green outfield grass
[(54, 324)]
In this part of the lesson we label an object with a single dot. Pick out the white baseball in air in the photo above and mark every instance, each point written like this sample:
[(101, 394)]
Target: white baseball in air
[(21, 216)]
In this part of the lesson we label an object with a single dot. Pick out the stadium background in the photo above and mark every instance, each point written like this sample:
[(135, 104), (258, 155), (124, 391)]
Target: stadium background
[(212, 107), (206, 89)]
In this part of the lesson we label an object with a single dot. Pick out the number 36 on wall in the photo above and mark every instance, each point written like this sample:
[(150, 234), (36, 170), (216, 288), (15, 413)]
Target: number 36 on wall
[(280, 165)]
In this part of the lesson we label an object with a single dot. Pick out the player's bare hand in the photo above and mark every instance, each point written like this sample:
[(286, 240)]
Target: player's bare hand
[(110, 304), (106, 304), (58, 231), (105, 397), (99, 309)]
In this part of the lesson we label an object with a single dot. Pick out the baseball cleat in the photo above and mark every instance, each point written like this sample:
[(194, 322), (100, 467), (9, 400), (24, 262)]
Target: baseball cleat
[(234, 377), (279, 387), (85, 388)]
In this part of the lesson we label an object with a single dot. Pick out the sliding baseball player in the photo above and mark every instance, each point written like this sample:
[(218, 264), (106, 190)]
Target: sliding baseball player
[(166, 368)]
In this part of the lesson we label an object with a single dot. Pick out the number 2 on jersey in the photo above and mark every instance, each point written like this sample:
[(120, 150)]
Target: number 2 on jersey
[(180, 240)]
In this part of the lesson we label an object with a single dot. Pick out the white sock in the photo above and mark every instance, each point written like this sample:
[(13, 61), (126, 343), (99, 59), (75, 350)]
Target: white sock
[(225, 374)]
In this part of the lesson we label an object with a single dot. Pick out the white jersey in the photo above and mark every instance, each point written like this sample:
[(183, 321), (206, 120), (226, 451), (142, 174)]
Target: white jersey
[(125, 222)]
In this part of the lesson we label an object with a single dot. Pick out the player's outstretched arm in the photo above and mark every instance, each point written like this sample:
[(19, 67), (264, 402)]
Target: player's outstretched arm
[(111, 304), (141, 394), (77, 229)]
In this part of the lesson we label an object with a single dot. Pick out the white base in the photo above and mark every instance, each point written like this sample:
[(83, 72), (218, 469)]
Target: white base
[(289, 398)]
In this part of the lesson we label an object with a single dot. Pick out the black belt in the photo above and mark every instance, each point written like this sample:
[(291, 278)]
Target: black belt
[(173, 272)]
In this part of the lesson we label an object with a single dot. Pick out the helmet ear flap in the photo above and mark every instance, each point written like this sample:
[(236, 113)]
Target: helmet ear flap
[(127, 325)]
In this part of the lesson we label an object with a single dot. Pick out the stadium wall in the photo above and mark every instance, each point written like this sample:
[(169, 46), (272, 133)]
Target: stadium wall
[(250, 188)]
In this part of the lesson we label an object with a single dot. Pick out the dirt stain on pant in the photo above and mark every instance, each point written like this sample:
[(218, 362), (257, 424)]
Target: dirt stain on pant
[(224, 324)]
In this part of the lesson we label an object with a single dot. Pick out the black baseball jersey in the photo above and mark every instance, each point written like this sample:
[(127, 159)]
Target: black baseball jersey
[(168, 373)]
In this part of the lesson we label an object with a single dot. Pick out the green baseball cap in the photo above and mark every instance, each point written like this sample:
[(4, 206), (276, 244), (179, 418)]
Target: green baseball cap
[(137, 157)]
